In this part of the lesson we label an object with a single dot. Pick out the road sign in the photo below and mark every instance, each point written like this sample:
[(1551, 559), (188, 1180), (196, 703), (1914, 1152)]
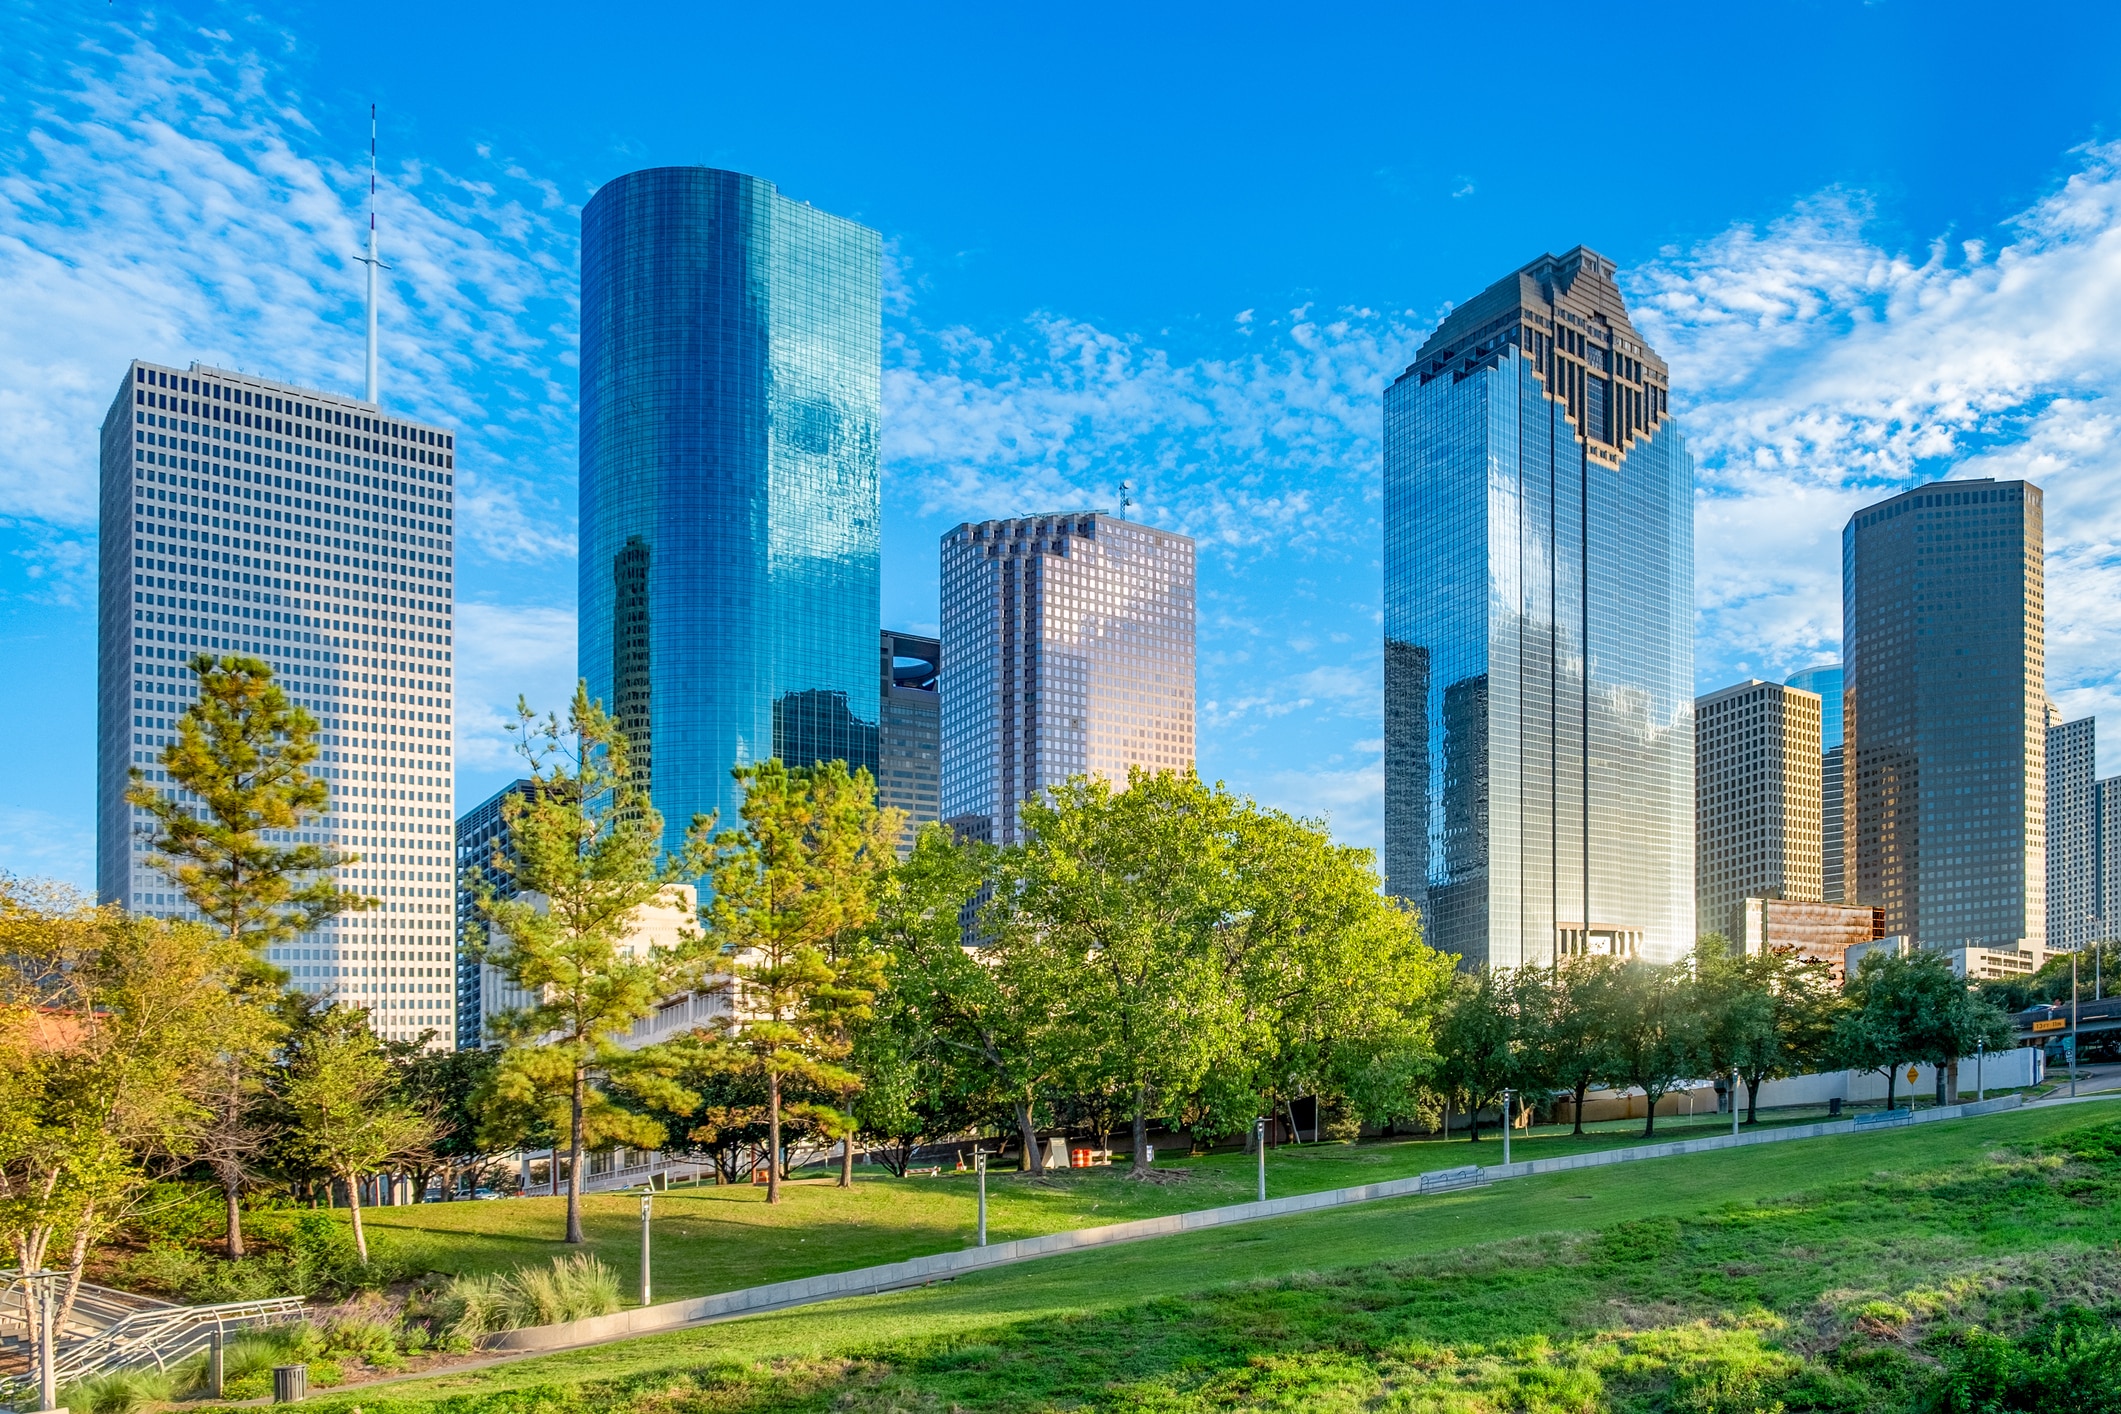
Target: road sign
[(2057, 1023)]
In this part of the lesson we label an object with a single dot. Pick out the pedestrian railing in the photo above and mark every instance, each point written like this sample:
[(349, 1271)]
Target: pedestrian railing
[(117, 1330)]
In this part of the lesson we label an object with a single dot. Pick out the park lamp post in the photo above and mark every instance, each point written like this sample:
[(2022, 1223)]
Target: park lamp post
[(41, 1296), (1735, 1082), (1259, 1145), (979, 1167), (1980, 1055), (647, 1211), (2073, 1025), (1506, 1126)]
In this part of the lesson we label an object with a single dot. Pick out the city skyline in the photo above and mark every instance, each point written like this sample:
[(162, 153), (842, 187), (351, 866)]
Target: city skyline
[(1237, 393)]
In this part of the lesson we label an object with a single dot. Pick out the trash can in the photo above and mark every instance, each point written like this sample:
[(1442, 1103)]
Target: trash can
[(290, 1383), (1833, 1108)]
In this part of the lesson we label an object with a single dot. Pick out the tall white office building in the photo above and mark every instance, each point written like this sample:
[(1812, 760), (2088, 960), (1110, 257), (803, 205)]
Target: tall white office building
[(247, 517), (1757, 781), (1067, 649)]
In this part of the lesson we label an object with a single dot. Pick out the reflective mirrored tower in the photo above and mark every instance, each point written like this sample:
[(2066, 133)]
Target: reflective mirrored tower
[(731, 348), (1539, 637)]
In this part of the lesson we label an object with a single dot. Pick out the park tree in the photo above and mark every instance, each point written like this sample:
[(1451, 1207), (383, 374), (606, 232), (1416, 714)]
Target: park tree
[(559, 920), (1478, 1042), (111, 1031), (239, 784), (448, 1087), (1122, 890), (1335, 989), (993, 1017), (1806, 1005), (350, 1117), (1656, 1030), (1572, 1025), (795, 902), (1735, 1001), (1910, 1008)]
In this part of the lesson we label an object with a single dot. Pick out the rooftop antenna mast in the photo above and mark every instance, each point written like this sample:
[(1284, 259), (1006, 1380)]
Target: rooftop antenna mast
[(371, 260), (1126, 501)]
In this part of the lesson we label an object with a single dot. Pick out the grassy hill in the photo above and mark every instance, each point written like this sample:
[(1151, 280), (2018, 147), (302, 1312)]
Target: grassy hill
[(1853, 1273)]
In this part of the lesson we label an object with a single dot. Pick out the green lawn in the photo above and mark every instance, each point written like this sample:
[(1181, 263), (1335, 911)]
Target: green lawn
[(1813, 1275), (719, 1239)]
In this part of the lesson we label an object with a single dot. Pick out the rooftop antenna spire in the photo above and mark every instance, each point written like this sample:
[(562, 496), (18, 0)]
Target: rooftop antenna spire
[(1126, 500), (371, 260)]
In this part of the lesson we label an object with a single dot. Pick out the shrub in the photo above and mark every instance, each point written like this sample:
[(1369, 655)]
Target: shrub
[(569, 1290), (2069, 1360), (119, 1392)]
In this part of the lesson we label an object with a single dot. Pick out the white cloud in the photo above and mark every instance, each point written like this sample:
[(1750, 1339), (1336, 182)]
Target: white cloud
[(506, 653), (1819, 372), (38, 844)]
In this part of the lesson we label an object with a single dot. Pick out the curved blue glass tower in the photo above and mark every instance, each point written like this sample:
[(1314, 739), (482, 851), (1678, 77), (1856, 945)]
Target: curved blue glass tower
[(731, 355)]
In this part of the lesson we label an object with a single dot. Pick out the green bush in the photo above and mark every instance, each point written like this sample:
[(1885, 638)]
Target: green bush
[(2069, 1360), (119, 1392), (297, 1252), (569, 1290)]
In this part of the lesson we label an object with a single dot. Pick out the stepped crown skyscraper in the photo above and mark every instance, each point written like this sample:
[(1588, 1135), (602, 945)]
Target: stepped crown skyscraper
[(1539, 634), (731, 360)]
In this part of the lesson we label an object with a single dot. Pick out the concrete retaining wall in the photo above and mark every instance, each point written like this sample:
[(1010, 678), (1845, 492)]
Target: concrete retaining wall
[(920, 1271)]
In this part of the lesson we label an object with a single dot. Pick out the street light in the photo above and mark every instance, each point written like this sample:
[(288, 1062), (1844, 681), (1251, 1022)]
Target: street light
[(1259, 1144), (1980, 1055), (1506, 1127), (647, 1210), (41, 1296), (1735, 1081), (979, 1166)]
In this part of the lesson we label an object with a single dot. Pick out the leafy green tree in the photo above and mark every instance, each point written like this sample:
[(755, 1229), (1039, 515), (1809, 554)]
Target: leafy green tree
[(1124, 891), (351, 1118), (111, 1032), (448, 1087), (1573, 1025), (795, 900), (583, 860), (1806, 1006), (994, 1019), (239, 775), (1478, 1040), (1734, 992), (1335, 990), (1909, 1008), (1656, 1035)]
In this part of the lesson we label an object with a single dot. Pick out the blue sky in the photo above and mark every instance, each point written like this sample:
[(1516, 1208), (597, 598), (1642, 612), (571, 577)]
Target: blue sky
[(1877, 243)]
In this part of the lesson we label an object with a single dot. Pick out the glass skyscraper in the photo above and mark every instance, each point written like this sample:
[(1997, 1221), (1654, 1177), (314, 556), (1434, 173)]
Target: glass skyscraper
[(1943, 612), (1539, 629), (731, 357)]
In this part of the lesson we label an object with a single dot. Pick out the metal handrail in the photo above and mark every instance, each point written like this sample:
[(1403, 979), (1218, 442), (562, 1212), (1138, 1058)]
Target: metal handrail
[(154, 1334)]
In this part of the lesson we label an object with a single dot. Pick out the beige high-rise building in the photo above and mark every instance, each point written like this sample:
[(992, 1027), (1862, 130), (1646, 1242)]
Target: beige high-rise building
[(1756, 793), (1067, 649)]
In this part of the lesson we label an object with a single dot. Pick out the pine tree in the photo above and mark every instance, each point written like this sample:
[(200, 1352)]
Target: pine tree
[(239, 772), (583, 858), (796, 894)]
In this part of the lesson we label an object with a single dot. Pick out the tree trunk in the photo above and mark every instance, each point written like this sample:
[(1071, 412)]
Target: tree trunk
[(1892, 1078), (1472, 1120), (232, 1193), (353, 1205), (1140, 1165), (1033, 1161), (576, 1102), (847, 1151), (1649, 1121), (773, 1138), (1752, 1099), (1582, 1087)]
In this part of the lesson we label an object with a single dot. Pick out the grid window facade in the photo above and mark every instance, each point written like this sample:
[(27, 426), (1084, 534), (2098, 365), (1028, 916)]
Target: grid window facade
[(2072, 834), (1068, 649), (1757, 812), (1943, 617), (1539, 658), (731, 367), (910, 742), (244, 516), (481, 831)]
